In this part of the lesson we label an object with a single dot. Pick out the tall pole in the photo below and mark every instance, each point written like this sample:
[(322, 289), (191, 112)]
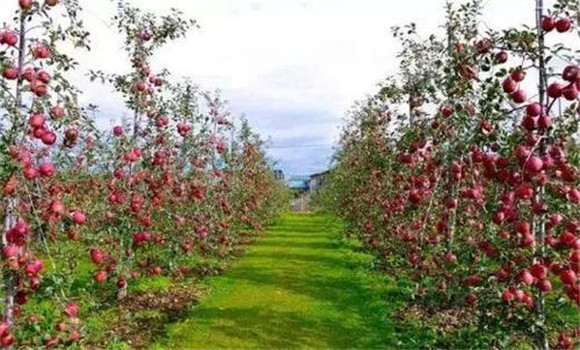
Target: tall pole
[(538, 219)]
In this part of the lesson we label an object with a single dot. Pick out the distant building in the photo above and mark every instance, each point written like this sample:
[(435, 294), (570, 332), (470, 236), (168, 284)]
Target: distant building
[(317, 180), (299, 184), (279, 174), (307, 184)]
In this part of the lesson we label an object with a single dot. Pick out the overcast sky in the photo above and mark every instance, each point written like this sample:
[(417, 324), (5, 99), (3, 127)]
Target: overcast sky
[(293, 67)]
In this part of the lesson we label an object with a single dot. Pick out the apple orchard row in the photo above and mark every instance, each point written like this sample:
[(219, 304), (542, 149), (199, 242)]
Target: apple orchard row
[(462, 174), (176, 183)]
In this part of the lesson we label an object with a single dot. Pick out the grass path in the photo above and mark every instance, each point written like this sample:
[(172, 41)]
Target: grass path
[(299, 286)]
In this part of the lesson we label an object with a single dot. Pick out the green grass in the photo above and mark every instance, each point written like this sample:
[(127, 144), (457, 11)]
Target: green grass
[(300, 286)]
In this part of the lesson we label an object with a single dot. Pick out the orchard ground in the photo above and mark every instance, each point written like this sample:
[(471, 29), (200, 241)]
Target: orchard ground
[(299, 286), (303, 285)]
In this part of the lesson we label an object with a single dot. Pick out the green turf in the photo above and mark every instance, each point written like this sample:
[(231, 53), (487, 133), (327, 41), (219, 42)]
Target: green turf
[(299, 286)]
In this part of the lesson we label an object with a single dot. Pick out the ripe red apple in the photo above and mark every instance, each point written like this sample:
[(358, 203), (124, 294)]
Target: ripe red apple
[(518, 75), (100, 276), (25, 4), (121, 283), (524, 191), (57, 207), (507, 296), (71, 310), (46, 169), (563, 24), (78, 217), (509, 86), (544, 285), (519, 96), (141, 86), (446, 111), (37, 120), (499, 217), (539, 271), (528, 300), (30, 173), (530, 123), (533, 109), (555, 90), (451, 203), (525, 277), (450, 257), (483, 46), (471, 299), (9, 38), (570, 92), (574, 257), (548, 24), (7, 340), (38, 88), (29, 74), (501, 57), (48, 138), (41, 51), (523, 227), (37, 133), (43, 76), (564, 341), (10, 251), (568, 277), (57, 112), (574, 195), (118, 130), (97, 256), (10, 73), (544, 122), (4, 326), (73, 234), (571, 73), (534, 165)]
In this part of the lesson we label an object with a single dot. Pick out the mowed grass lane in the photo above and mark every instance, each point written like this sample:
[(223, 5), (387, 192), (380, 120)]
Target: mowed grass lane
[(299, 286)]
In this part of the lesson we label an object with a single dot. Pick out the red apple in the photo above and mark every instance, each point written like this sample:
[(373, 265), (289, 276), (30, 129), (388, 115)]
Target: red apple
[(533, 109), (548, 24), (519, 96), (25, 4), (544, 285), (563, 24), (539, 271), (568, 277), (501, 57), (509, 86), (46, 169), (78, 217), (555, 90), (570, 92), (534, 165)]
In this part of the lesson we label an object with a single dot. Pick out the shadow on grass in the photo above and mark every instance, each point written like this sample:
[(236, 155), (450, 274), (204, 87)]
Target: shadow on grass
[(300, 258), (261, 328), (311, 244)]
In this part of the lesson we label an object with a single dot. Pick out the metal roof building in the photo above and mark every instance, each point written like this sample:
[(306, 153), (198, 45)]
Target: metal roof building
[(299, 183)]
